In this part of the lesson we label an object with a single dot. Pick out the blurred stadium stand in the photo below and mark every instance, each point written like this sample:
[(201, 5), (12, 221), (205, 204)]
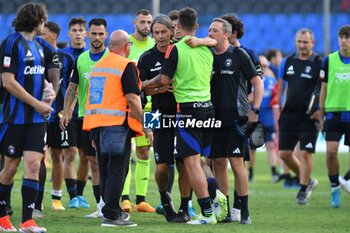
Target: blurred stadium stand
[(268, 23)]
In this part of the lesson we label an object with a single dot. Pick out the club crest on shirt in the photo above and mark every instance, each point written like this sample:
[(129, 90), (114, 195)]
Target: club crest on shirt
[(11, 149), (228, 62)]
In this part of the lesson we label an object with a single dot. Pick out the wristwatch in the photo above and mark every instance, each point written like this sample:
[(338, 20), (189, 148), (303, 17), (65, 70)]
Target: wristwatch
[(256, 110)]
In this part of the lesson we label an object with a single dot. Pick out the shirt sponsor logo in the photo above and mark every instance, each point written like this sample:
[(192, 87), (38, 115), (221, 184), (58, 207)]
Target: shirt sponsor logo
[(342, 77), (34, 70), (230, 72), (7, 62), (308, 76)]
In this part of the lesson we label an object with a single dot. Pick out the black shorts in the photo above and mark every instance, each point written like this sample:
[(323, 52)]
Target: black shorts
[(292, 131), (227, 143), (334, 130), (18, 138), (86, 140), (56, 138), (164, 146), (193, 140)]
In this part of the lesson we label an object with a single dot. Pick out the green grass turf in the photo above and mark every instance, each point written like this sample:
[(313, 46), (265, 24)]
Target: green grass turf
[(272, 207)]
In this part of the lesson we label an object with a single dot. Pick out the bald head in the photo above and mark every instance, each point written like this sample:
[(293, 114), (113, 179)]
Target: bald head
[(119, 43)]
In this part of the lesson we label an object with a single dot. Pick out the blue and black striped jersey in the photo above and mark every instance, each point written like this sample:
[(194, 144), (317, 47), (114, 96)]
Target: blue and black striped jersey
[(66, 63), (28, 61), (75, 52)]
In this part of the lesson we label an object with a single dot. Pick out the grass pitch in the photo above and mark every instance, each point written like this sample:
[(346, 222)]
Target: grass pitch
[(272, 207)]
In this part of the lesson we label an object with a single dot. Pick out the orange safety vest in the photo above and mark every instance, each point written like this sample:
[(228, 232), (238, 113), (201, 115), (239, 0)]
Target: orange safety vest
[(106, 104)]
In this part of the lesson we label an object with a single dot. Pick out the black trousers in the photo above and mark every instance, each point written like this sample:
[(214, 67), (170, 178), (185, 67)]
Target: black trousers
[(113, 171)]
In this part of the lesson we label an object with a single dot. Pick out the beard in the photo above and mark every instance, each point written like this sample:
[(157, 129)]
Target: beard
[(142, 33), (96, 45)]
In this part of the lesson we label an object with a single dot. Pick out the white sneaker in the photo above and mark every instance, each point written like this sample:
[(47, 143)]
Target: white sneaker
[(344, 183), (220, 206), (235, 215), (311, 186), (37, 214), (203, 220), (96, 214)]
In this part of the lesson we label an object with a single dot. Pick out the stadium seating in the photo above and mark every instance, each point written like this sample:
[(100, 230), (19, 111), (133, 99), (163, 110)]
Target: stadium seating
[(268, 23)]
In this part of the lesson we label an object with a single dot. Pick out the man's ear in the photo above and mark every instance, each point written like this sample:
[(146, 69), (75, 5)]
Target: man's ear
[(196, 26)]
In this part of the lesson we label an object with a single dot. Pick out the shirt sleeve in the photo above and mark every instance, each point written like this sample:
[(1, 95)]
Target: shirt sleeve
[(130, 80), (50, 53), (247, 67), (142, 68), (74, 78), (170, 62), (324, 70), (255, 59), (8, 57), (281, 69)]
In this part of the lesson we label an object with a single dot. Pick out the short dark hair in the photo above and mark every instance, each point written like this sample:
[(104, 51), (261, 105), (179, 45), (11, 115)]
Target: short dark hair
[(271, 53), (344, 30), (174, 14), (75, 21), (237, 24), (98, 22), (62, 44), (188, 18), (143, 12), (29, 16), (53, 27)]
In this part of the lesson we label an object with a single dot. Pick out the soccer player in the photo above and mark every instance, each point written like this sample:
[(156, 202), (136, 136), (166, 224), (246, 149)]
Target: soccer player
[(190, 70), (76, 184), (141, 43), (97, 34), (232, 69), (58, 140), (335, 106), (23, 123), (301, 72)]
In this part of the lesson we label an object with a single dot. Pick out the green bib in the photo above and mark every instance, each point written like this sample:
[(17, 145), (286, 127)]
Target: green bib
[(84, 66), (338, 86), (193, 72), (139, 47)]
